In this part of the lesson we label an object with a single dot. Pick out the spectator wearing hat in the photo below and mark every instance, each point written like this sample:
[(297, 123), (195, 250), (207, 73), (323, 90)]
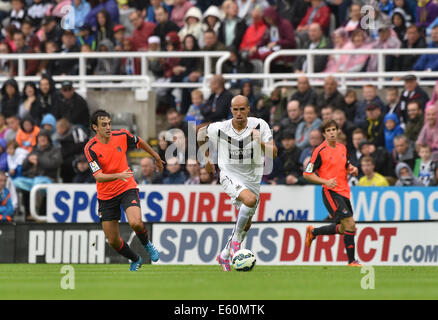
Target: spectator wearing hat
[(82, 171), (52, 30), (374, 125), (119, 35), (31, 66), (81, 8), (86, 36), (192, 24), (163, 26), (154, 65), (387, 40), (211, 20), (412, 92), (287, 166), (72, 106), (143, 30), (172, 43)]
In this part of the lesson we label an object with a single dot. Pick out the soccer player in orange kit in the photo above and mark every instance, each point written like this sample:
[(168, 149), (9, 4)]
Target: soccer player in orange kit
[(106, 155), (329, 166)]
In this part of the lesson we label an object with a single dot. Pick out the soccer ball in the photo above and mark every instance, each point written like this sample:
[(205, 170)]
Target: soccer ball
[(244, 260)]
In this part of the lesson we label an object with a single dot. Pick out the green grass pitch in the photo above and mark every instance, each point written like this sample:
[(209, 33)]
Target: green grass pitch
[(43, 281)]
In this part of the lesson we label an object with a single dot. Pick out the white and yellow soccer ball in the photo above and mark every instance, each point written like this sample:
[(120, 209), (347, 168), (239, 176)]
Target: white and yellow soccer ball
[(244, 260)]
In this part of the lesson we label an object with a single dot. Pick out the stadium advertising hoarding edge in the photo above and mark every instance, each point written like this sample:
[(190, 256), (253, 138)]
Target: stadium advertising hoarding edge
[(176, 203), (284, 244)]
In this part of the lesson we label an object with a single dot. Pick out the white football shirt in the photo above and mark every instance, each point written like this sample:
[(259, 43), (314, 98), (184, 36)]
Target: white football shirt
[(238, 154)]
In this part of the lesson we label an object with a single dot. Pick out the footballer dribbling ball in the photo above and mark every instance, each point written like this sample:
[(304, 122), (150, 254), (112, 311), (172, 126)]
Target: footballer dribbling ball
[(244, 260)]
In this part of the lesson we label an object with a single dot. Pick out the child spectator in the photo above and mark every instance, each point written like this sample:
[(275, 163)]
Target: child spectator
[(15, 158), (392, 129), (6, 207), (424, 166), (371, 178), (194, 112), (27, 134), (119, 36), (82, 172), (86, 36)]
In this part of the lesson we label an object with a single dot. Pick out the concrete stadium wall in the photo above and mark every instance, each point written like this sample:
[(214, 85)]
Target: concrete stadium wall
[(124, 101)]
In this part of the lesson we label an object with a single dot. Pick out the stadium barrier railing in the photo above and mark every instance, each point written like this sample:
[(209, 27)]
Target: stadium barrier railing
[(145, 81)]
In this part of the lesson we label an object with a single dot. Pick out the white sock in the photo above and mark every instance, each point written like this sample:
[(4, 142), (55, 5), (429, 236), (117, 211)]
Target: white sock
[(242, 220), (225, 253)]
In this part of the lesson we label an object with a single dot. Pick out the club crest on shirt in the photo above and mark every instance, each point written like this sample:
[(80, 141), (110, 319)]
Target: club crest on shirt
[(94, 166), (119, 149)]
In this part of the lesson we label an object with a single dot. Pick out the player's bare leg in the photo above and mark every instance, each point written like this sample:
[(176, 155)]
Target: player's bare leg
[(134, 219), (111, 230), (249, 201), (348, 229)]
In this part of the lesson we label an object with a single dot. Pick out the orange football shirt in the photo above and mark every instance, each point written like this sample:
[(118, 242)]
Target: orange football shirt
[(329, 163), (111, 158)]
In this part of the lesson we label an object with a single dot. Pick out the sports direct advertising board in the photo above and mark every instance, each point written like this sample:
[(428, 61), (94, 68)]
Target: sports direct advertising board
[(184, 203), (284, 244)]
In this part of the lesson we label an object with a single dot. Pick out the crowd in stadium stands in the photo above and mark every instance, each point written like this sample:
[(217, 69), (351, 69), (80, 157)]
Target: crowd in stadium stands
[(392, 138)]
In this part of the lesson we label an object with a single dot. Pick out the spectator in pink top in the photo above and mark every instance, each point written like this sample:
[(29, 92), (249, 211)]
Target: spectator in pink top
[(179, 11), (429, 133)]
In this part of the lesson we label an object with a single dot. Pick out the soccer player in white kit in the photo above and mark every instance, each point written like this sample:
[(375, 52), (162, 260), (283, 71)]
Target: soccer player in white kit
[(241, 142)]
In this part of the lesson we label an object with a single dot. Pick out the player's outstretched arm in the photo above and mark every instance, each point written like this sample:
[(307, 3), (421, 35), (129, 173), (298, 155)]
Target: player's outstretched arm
[(318, 180), (107, 177), (146, 147)]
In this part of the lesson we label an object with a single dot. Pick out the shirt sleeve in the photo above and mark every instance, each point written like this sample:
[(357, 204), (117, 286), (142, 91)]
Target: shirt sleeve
[(93, 161), (213, 132), (265, 132), (132, 141), (314, 163)]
